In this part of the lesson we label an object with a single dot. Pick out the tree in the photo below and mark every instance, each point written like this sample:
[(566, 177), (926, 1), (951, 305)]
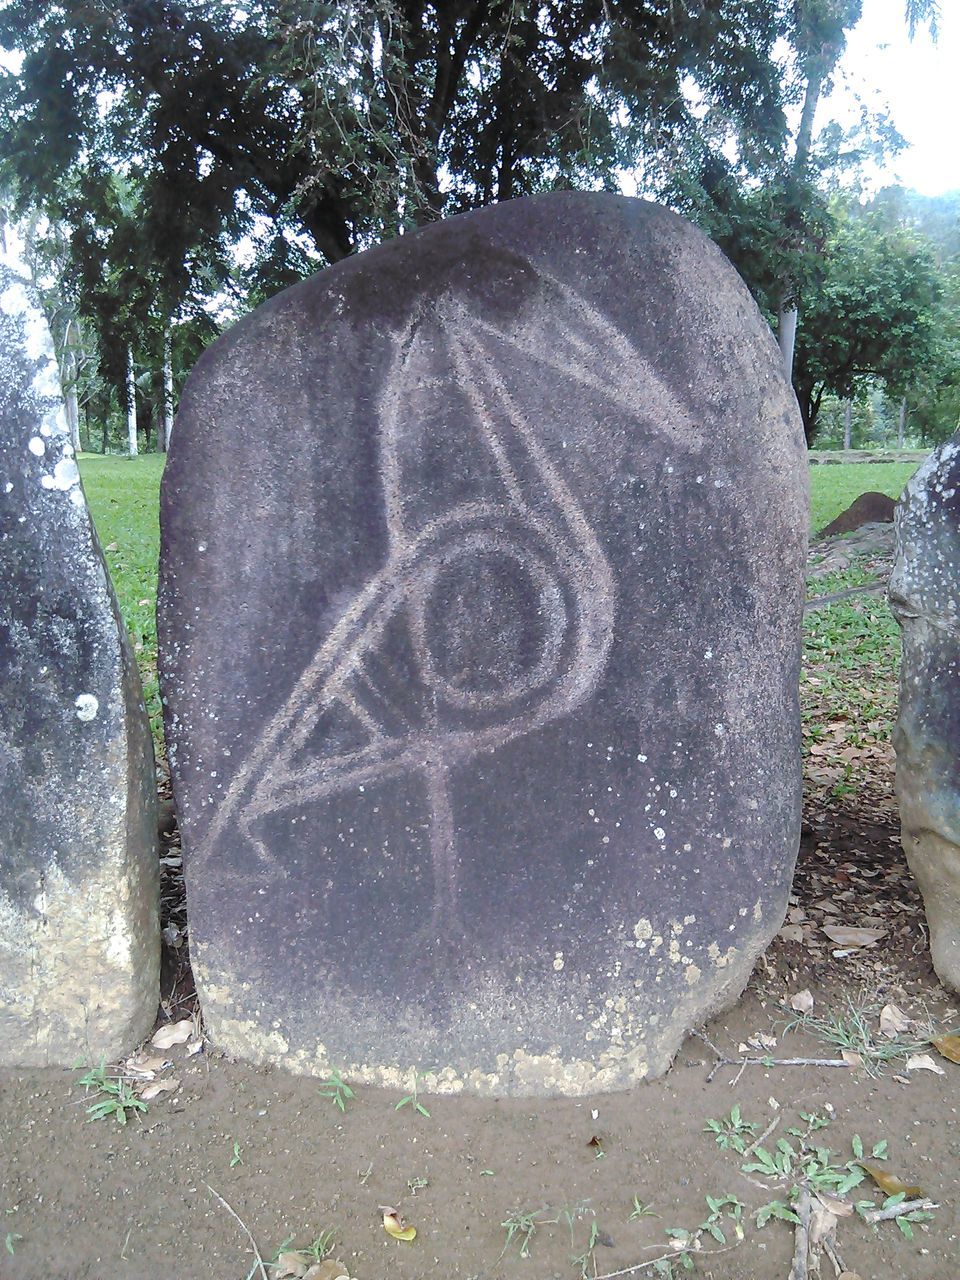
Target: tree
[(875, 314)]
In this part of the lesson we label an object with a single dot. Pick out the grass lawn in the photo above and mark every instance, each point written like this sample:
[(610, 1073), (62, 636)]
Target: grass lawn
[(123, 494), (833, 487), (124, 499)]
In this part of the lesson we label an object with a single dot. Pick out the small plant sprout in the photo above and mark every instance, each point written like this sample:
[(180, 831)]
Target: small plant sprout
[(416, 1184), (337, 1090), (641, 1210), (237, 1157), (586, 1261), (10, 1242), (521, 1226), (412, 1098), (117, 1098), (731, 1132)]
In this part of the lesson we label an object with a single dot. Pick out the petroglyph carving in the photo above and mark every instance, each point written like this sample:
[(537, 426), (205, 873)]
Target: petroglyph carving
[(365, 710)]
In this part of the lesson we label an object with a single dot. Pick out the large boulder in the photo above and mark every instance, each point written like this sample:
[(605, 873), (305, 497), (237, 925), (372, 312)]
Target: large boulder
[(79, 896), (925, 597), (481, 583)]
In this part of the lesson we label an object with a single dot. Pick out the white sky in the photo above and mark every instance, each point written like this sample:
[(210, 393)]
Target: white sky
[(918, 81)]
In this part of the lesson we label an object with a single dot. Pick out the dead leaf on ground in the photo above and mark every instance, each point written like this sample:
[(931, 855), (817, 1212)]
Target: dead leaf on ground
[(923, 1062), (194, 1046), (823, 1223), (949, 1046), (791, 933), (327, 1270), (849, 1275), (802, 1002), (395, 1226), (893, 1021), (173, 1033), (850, 1058), (889, 1183), (839, 1208), (146, 1067), (850, 936), (291, 1263), (150, 1091)]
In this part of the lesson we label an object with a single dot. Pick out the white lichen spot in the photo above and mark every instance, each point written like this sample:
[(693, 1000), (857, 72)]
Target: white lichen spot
[(65, 474), (558, 961), (659, 832), (36, 446), (643, 930), (87, 706), (692, 975)]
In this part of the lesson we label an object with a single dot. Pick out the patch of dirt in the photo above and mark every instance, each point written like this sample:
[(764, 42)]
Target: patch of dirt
[(868, 508)]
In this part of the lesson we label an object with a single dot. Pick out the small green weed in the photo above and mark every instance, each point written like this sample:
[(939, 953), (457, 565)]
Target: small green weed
[(412, 1099), (118, 1098), (521, 1226), (417, 1184), (641, 1210), (237, 1157), (731, 1132), (852, 1032), (337, 1090), (10, 1242)]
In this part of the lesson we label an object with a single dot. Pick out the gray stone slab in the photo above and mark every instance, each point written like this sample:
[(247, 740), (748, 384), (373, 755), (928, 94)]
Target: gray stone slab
[(79, 890), (481, 583), (925, 597)]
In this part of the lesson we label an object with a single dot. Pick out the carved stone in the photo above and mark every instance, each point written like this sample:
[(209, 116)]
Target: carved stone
[(925, 597), (79, 890), (482, 570)]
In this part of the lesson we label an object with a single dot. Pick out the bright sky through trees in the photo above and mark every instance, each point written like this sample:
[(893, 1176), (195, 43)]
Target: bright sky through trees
[(919, 82)]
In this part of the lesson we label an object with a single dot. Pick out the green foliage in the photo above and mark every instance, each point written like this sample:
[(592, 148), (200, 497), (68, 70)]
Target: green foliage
[(873, 312), (116, 1097), (337, 1090), (731, 1132)]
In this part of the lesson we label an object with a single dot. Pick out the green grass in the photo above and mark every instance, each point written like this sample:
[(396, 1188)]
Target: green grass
[(124, 497), (834, 487)]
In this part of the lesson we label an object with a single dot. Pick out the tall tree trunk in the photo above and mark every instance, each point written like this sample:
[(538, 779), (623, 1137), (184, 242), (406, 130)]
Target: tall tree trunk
[(847, 422), (787, 313), (69, 367), (165, 424), (103, 434), (901, 425), (787, 334), (131, 406)]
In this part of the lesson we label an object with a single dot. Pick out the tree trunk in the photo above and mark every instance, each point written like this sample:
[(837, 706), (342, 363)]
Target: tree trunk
[(165, 424), (847, 422), (69, 366), (787, 335), (901, 425), (131, 406)]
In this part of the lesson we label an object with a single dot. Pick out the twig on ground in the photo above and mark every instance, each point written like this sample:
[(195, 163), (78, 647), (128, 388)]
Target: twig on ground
[(665, 1257), (757, 1142), (801, 1248), (246, 1230), (897, 1210), (830, 1247)]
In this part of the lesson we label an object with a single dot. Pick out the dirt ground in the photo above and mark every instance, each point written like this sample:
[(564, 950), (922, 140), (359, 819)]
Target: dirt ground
[(94, 1201)]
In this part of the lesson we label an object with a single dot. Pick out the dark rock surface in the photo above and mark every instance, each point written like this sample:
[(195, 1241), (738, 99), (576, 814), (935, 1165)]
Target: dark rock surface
[(481, 581), (868, 508), (79, 930), (925, 597)]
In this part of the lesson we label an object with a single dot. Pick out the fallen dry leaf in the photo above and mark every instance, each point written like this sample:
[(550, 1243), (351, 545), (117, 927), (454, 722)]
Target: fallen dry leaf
[(791, 933), (173, 1033), (850, 1058), (327, 1270), (291, 1263), (923, 1062), (889, 1182), (850, 936), (194, 1046), (893, 1021), (849, 1275), (839, 1208), (147, 1067), (802, 1002), (823, 1223), (149, 1091), (949, 1046), (395, 1226)]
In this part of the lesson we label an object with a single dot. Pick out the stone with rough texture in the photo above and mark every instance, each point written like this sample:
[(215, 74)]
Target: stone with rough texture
[(925, 597), (481, 583), (79, 895)]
